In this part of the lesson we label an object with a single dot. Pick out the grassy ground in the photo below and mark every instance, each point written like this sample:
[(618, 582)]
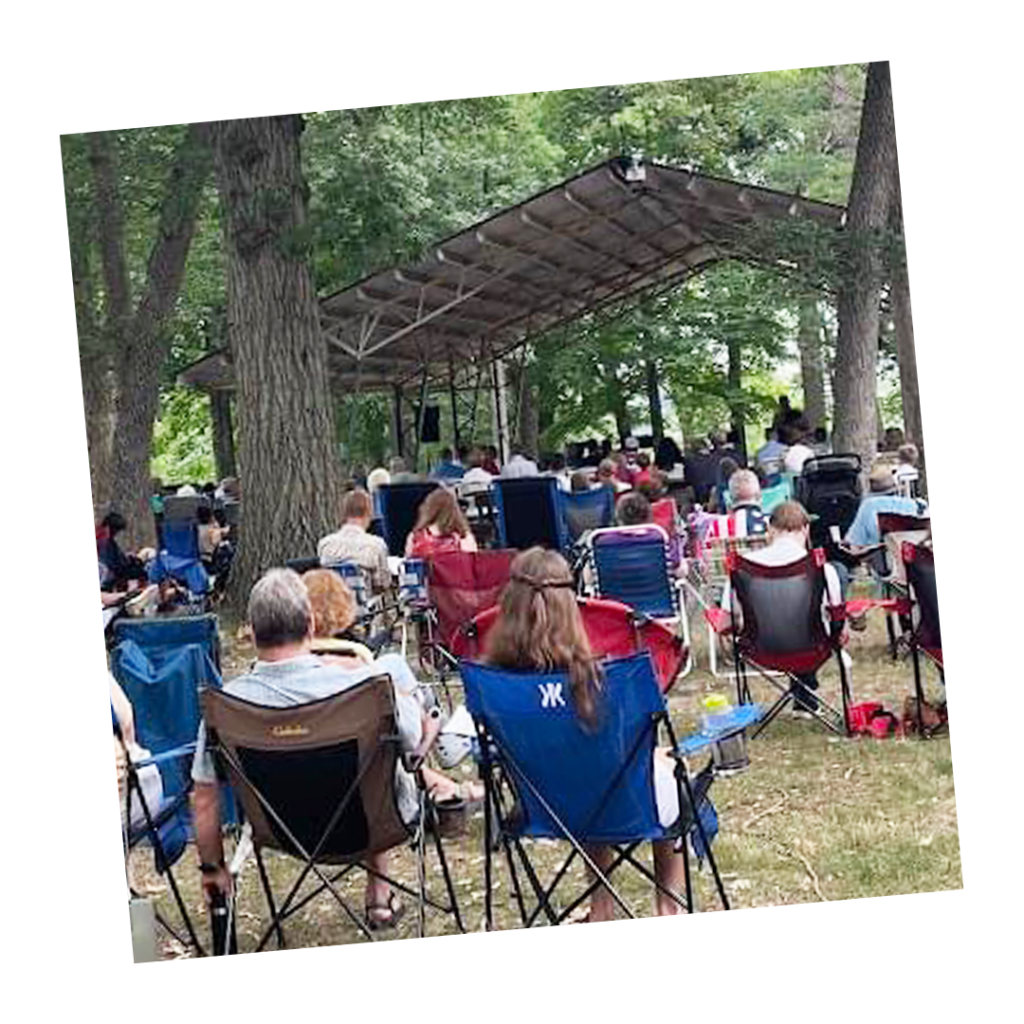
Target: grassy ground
[(814, 818)]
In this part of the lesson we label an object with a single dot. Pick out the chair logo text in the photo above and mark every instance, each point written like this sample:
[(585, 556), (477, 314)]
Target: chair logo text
[(551, 695)]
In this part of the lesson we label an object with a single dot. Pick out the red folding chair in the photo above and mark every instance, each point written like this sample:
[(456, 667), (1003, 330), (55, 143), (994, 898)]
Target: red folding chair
[(615, 631), (782, 631), (925, 634)]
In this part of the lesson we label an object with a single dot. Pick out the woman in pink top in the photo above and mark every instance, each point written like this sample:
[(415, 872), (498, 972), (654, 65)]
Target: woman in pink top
[(440, 527)]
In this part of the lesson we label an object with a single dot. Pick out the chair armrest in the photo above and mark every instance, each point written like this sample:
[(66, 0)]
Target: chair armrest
[(413, 760), (718, 619)]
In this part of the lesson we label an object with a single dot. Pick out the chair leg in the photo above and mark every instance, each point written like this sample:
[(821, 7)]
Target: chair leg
[(275, 922), (446, 874), (918, 689)]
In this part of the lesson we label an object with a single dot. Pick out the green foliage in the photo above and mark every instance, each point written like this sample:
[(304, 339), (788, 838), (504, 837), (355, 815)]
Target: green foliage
[(183, 437)]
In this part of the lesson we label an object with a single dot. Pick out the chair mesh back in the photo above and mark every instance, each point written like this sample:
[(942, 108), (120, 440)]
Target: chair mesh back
[(588, 778), (586, 510), (781, 611), (304, 761), (921, 576), (632, 567), (399, 504), (462, 584), (528, 513)]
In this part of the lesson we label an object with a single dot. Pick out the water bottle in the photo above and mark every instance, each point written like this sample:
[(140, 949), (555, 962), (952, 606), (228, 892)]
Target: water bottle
[(729, 754), (219, 924)]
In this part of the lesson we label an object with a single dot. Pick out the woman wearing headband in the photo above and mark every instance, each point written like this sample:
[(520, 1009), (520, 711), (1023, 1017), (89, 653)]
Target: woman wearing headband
[(540, 628)]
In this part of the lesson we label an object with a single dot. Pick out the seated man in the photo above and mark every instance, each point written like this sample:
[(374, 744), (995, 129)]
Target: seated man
[(768, 458), (863, 533), (519, 465), (352, 543), (448, 468), (745, 519), (287, 673), (789, 531), (476, 478)]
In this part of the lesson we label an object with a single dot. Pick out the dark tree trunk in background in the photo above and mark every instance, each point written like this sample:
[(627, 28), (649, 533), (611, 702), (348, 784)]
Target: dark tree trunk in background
[(521, 390), (856, 382), (812, 366), (619, 409), (734, 379), (139, 346), (287, 459), (906, 354), (654, 401), (223, 434)]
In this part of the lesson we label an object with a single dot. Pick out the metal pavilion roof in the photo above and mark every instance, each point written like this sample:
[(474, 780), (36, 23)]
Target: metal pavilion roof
[(605, 236)]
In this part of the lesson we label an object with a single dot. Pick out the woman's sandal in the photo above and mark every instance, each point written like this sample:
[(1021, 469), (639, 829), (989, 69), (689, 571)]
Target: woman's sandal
[(394, 908)]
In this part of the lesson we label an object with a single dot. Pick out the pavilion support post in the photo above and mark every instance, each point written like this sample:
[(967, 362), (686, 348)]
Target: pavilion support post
[(420, 414), (397, 433), (454, 399), (500, 409)]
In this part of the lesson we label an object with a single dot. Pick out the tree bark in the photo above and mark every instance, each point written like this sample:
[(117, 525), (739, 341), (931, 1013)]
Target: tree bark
[(859, 293), (906, 354), (223, 434), (287, 459), (812, 366), (138, 345)]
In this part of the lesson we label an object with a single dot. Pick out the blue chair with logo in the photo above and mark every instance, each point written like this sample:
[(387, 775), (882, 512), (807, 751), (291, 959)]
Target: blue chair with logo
[(548, 776)]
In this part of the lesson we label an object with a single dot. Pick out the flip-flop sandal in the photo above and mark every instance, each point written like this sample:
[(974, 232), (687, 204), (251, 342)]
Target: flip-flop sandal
[(395, 909)]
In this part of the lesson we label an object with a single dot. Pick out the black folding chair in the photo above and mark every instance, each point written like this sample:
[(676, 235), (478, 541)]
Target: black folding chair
[(829, 488), (399, 505), (781, 631), (316, 781)]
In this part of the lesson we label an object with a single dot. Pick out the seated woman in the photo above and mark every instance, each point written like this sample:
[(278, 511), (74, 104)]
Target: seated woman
[(123, 572), (334, 612), (540, 629), (215, 549), (440, 527)]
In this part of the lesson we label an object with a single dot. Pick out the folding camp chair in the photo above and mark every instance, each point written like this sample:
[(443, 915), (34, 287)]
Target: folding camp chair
[(707, 578), (631, 565), (529, 513), (895, 530), (166, 828), (316, 781), (583, 511), (460, 584), (178, 559), (665, 513), (782, 631), (399, 505), (160, 664), (570, 783), (924, 636), (614, 630)]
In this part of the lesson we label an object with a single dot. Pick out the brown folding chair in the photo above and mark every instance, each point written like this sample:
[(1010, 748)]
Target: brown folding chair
[(317, 781)]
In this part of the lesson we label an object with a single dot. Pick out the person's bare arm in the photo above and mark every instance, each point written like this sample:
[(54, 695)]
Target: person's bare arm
[(210, 845)]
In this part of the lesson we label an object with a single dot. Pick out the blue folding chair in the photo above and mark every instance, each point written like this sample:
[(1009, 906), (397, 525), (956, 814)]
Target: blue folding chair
[(178, 557), (529, 513), (399, 505), (574, 784), (583, 511), (632, 565)]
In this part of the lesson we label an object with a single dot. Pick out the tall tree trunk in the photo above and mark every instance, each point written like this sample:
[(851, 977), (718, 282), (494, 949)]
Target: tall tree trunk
[(223, 434), (867, 213), (94, 364), (138, 342), (654, 401), (734, 380), (906, 354), (97, 357), (287, 459), (522, 392), (812, 366)]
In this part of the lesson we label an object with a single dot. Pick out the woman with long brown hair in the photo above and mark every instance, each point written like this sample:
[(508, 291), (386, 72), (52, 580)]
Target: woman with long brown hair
[(440, 526), (540, 628)]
